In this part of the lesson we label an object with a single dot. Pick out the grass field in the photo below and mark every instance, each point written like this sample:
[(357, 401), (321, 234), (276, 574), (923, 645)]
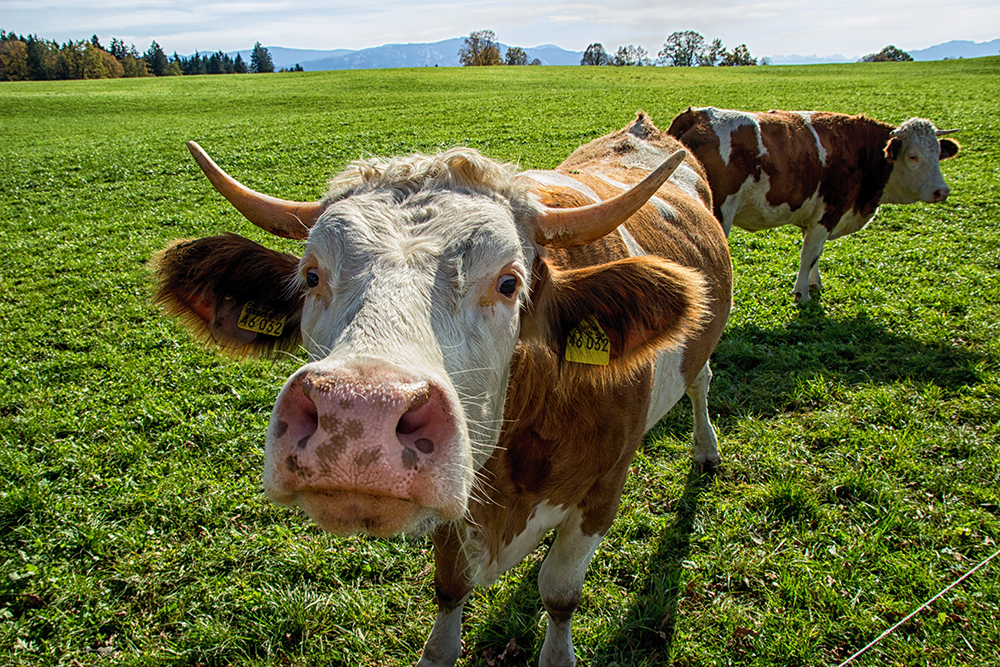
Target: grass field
[(860, 434)]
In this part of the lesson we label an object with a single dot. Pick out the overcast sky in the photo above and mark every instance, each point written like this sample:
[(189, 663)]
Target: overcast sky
[(767, 27)]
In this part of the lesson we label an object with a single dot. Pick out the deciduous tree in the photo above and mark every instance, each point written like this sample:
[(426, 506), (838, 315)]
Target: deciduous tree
[(631, 56), (682, 49), (889, 54), (739, 57), (480, 48), (595, 55), (516, 56)]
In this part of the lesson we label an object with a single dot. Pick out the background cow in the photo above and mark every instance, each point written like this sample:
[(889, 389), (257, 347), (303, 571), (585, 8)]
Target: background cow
[(826, 173), (486, 348)]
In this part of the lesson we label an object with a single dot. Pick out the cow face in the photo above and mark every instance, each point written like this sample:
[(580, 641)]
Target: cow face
[(915, 152), (410, 318)]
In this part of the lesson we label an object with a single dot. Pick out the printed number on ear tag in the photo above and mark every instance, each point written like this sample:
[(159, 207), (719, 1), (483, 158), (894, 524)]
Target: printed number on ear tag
[(262, 321), (588, 344)]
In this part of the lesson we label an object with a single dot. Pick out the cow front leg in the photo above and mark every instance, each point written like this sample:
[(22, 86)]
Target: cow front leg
[(443, 647), (705, 443), (813, 238), (560, 584)]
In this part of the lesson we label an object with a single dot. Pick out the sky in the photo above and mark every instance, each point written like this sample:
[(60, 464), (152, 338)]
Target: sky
[(767, 27)]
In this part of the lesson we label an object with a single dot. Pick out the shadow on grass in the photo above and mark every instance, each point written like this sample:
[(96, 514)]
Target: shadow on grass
[(757, 369), (647, 631)]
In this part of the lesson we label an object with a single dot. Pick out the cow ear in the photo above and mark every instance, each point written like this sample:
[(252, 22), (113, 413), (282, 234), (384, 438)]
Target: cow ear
[(892, 149), (949, 148), (637, 306), (231, 292)]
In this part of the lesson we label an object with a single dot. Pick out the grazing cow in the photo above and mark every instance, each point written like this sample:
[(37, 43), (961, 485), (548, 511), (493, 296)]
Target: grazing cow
[(825, 173), (487, 348)]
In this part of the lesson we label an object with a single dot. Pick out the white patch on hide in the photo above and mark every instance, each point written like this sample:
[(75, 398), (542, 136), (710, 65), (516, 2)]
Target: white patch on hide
[(545, 517), (727, 121), (807, 119)]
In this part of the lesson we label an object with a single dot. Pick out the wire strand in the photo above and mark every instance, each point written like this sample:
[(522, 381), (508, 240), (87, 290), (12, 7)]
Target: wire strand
[(918, 610)]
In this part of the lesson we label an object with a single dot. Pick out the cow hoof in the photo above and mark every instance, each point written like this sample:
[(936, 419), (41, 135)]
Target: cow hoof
[(707, 468)]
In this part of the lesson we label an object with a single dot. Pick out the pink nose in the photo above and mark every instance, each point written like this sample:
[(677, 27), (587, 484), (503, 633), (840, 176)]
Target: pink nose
[(940, 194), (365, 431)]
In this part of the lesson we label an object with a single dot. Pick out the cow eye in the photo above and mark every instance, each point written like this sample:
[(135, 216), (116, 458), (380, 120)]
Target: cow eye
[(312, 277), (507, 285), (914, 158)]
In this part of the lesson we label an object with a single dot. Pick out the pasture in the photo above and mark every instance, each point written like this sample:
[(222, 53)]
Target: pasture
[(860, 434)]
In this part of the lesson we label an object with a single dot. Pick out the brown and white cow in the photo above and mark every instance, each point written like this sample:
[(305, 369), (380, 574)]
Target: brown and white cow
[(486, 348), (826, 173)]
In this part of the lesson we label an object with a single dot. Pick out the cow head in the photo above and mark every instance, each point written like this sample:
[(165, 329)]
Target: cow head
[(418, 279), (915, 151)]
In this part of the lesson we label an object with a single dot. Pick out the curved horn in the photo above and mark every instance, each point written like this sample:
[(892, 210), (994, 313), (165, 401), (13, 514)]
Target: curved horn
[(289, 219), (568, 227), (941, 133)]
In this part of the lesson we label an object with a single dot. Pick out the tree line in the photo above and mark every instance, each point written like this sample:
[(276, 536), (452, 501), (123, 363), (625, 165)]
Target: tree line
[(685, 48), (32, 58)]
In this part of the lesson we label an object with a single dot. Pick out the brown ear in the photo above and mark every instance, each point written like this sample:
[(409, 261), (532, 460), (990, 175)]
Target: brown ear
[(232, 292), (949, 148), (642, 304), (892, 149)]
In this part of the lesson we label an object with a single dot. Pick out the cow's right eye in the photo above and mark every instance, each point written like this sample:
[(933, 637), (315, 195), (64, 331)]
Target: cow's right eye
[(312, 277)]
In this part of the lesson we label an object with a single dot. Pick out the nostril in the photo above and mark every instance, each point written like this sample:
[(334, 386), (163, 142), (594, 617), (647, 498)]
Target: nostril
[(299, 417), (941, 195), (415, 416)]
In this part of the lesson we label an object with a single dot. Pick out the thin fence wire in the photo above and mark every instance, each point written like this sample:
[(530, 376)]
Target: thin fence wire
[(918, 610)]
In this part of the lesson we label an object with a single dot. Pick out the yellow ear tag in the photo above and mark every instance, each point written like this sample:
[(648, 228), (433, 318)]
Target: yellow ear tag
[(588, 344), (259, 320)]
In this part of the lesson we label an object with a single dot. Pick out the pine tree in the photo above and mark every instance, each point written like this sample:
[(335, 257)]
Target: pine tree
[(260, 60)]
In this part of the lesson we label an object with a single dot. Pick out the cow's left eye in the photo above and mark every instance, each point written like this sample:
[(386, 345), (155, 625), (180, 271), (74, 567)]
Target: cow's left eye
[(507, 285), (312, 277), (914, 158)]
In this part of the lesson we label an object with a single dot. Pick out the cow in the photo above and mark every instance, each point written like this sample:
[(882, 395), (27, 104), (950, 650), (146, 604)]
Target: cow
[(826, 173), (486, 348)]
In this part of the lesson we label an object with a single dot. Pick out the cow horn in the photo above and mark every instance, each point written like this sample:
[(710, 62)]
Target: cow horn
[(941, 133), (568, 227), (289, 219)]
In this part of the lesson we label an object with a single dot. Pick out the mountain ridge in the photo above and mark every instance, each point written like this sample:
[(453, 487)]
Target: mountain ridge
[(444, 53)]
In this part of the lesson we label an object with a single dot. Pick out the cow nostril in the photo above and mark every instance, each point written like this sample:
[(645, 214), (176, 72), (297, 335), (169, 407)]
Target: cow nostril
[(410, 422), (415, 417)]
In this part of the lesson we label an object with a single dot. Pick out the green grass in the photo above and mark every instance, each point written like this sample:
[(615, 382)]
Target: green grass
[(860, 434)]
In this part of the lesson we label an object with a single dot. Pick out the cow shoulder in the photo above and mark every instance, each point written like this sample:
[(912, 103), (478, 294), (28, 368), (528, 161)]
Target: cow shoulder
[(231, 292)]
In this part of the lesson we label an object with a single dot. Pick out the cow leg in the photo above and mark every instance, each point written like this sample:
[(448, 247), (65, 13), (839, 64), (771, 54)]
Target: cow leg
[(813, 238), (560, 584), (706, 443), (443, 647)]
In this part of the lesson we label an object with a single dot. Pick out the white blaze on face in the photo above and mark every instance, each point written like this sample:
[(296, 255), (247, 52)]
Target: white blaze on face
[(916, 171), (415, 301), (725, 122)]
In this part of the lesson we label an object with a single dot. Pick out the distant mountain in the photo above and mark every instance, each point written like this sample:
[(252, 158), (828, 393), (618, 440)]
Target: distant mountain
[(796, 59), (437, 54), (948, 50), (957, 49), (445, 54)]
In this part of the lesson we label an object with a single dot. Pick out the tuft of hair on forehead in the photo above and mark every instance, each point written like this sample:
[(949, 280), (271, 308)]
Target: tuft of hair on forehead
[(915, 127), (459, 169)]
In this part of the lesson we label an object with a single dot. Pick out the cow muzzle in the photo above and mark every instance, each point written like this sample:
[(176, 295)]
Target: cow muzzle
[(367, 448)]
